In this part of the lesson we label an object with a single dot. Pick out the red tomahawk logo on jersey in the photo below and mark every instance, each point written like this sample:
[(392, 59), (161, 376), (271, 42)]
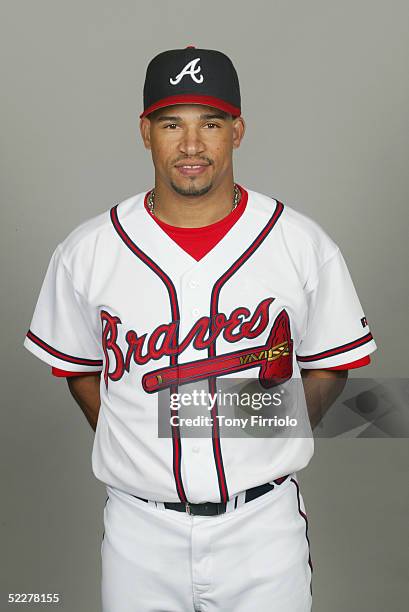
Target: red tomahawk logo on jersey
[(274, 358)]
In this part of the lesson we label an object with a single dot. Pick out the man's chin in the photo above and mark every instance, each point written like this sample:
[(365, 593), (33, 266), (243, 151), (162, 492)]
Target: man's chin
[(191, 190)]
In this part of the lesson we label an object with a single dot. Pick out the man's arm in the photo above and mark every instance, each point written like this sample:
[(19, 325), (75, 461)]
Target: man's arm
[(322, 387), (85, 391)]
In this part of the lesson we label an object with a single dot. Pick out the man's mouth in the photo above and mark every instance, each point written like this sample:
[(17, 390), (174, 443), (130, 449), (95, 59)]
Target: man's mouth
[(192, 169)]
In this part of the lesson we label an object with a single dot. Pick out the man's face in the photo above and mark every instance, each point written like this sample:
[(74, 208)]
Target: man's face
[(192, 146)]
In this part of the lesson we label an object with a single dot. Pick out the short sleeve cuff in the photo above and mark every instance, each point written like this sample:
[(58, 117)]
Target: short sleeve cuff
[(339, 355), (58, 359)]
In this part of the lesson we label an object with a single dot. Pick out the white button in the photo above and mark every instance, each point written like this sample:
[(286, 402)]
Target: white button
[(193, 284), (196, 449), (195, 312)]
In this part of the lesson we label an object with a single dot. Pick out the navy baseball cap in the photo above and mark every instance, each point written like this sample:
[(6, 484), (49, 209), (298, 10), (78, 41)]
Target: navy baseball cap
[(191, 76)]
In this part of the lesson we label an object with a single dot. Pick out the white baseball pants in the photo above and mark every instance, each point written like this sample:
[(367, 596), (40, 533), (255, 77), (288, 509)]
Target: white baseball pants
[(255, 557)]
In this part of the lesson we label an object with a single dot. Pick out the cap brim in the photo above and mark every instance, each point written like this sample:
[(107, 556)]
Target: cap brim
[(193, 99)]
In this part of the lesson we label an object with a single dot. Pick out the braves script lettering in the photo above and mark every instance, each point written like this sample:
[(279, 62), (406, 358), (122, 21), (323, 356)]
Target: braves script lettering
[(163, 341)]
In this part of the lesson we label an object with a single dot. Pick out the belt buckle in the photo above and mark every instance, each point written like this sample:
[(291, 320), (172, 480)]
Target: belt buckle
[(221, 508)]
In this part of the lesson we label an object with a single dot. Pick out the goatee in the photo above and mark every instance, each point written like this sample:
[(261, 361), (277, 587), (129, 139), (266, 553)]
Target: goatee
[(192, 190)]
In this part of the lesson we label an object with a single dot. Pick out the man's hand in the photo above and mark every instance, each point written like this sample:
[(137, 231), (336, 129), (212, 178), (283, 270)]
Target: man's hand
[(322, 387), (85, 391)]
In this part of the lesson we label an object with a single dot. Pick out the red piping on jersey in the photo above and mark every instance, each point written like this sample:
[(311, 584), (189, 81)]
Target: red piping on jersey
[(63, 356), (177, 448), (214, 300), (343, 348)]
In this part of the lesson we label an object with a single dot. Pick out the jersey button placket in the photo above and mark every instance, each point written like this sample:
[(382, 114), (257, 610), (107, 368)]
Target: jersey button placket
[(191, 285), (196, 453)]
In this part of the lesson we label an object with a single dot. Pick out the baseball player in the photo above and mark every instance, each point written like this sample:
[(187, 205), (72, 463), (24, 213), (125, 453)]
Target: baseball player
[(198, 280)]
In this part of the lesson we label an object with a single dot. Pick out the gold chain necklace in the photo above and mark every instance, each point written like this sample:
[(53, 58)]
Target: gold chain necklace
[(151, 199)]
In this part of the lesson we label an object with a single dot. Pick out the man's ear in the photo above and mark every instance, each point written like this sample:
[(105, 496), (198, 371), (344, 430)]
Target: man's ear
[(145, 129), (239, 128)]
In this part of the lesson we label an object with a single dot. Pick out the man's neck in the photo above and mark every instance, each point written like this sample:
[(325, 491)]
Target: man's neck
[(193, 211)]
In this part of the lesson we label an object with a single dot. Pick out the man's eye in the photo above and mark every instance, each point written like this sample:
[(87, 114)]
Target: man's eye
[(171, 125), (212, 125)]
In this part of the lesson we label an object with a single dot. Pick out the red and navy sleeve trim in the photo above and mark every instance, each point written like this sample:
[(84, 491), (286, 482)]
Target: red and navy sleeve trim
[(337, 350), (63, 356), (65, 374), (359, 363)]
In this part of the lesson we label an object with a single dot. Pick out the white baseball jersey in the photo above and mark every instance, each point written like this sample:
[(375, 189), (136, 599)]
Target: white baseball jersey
[(121, 296)]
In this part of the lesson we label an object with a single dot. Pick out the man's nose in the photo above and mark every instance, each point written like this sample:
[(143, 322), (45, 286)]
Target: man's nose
[(191, 142)]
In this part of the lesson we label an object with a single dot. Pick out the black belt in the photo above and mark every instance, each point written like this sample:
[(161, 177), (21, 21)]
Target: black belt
[(210, 508)]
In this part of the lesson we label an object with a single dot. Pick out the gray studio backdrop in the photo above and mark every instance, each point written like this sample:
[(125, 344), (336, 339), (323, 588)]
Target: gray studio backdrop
[(325, 96)]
